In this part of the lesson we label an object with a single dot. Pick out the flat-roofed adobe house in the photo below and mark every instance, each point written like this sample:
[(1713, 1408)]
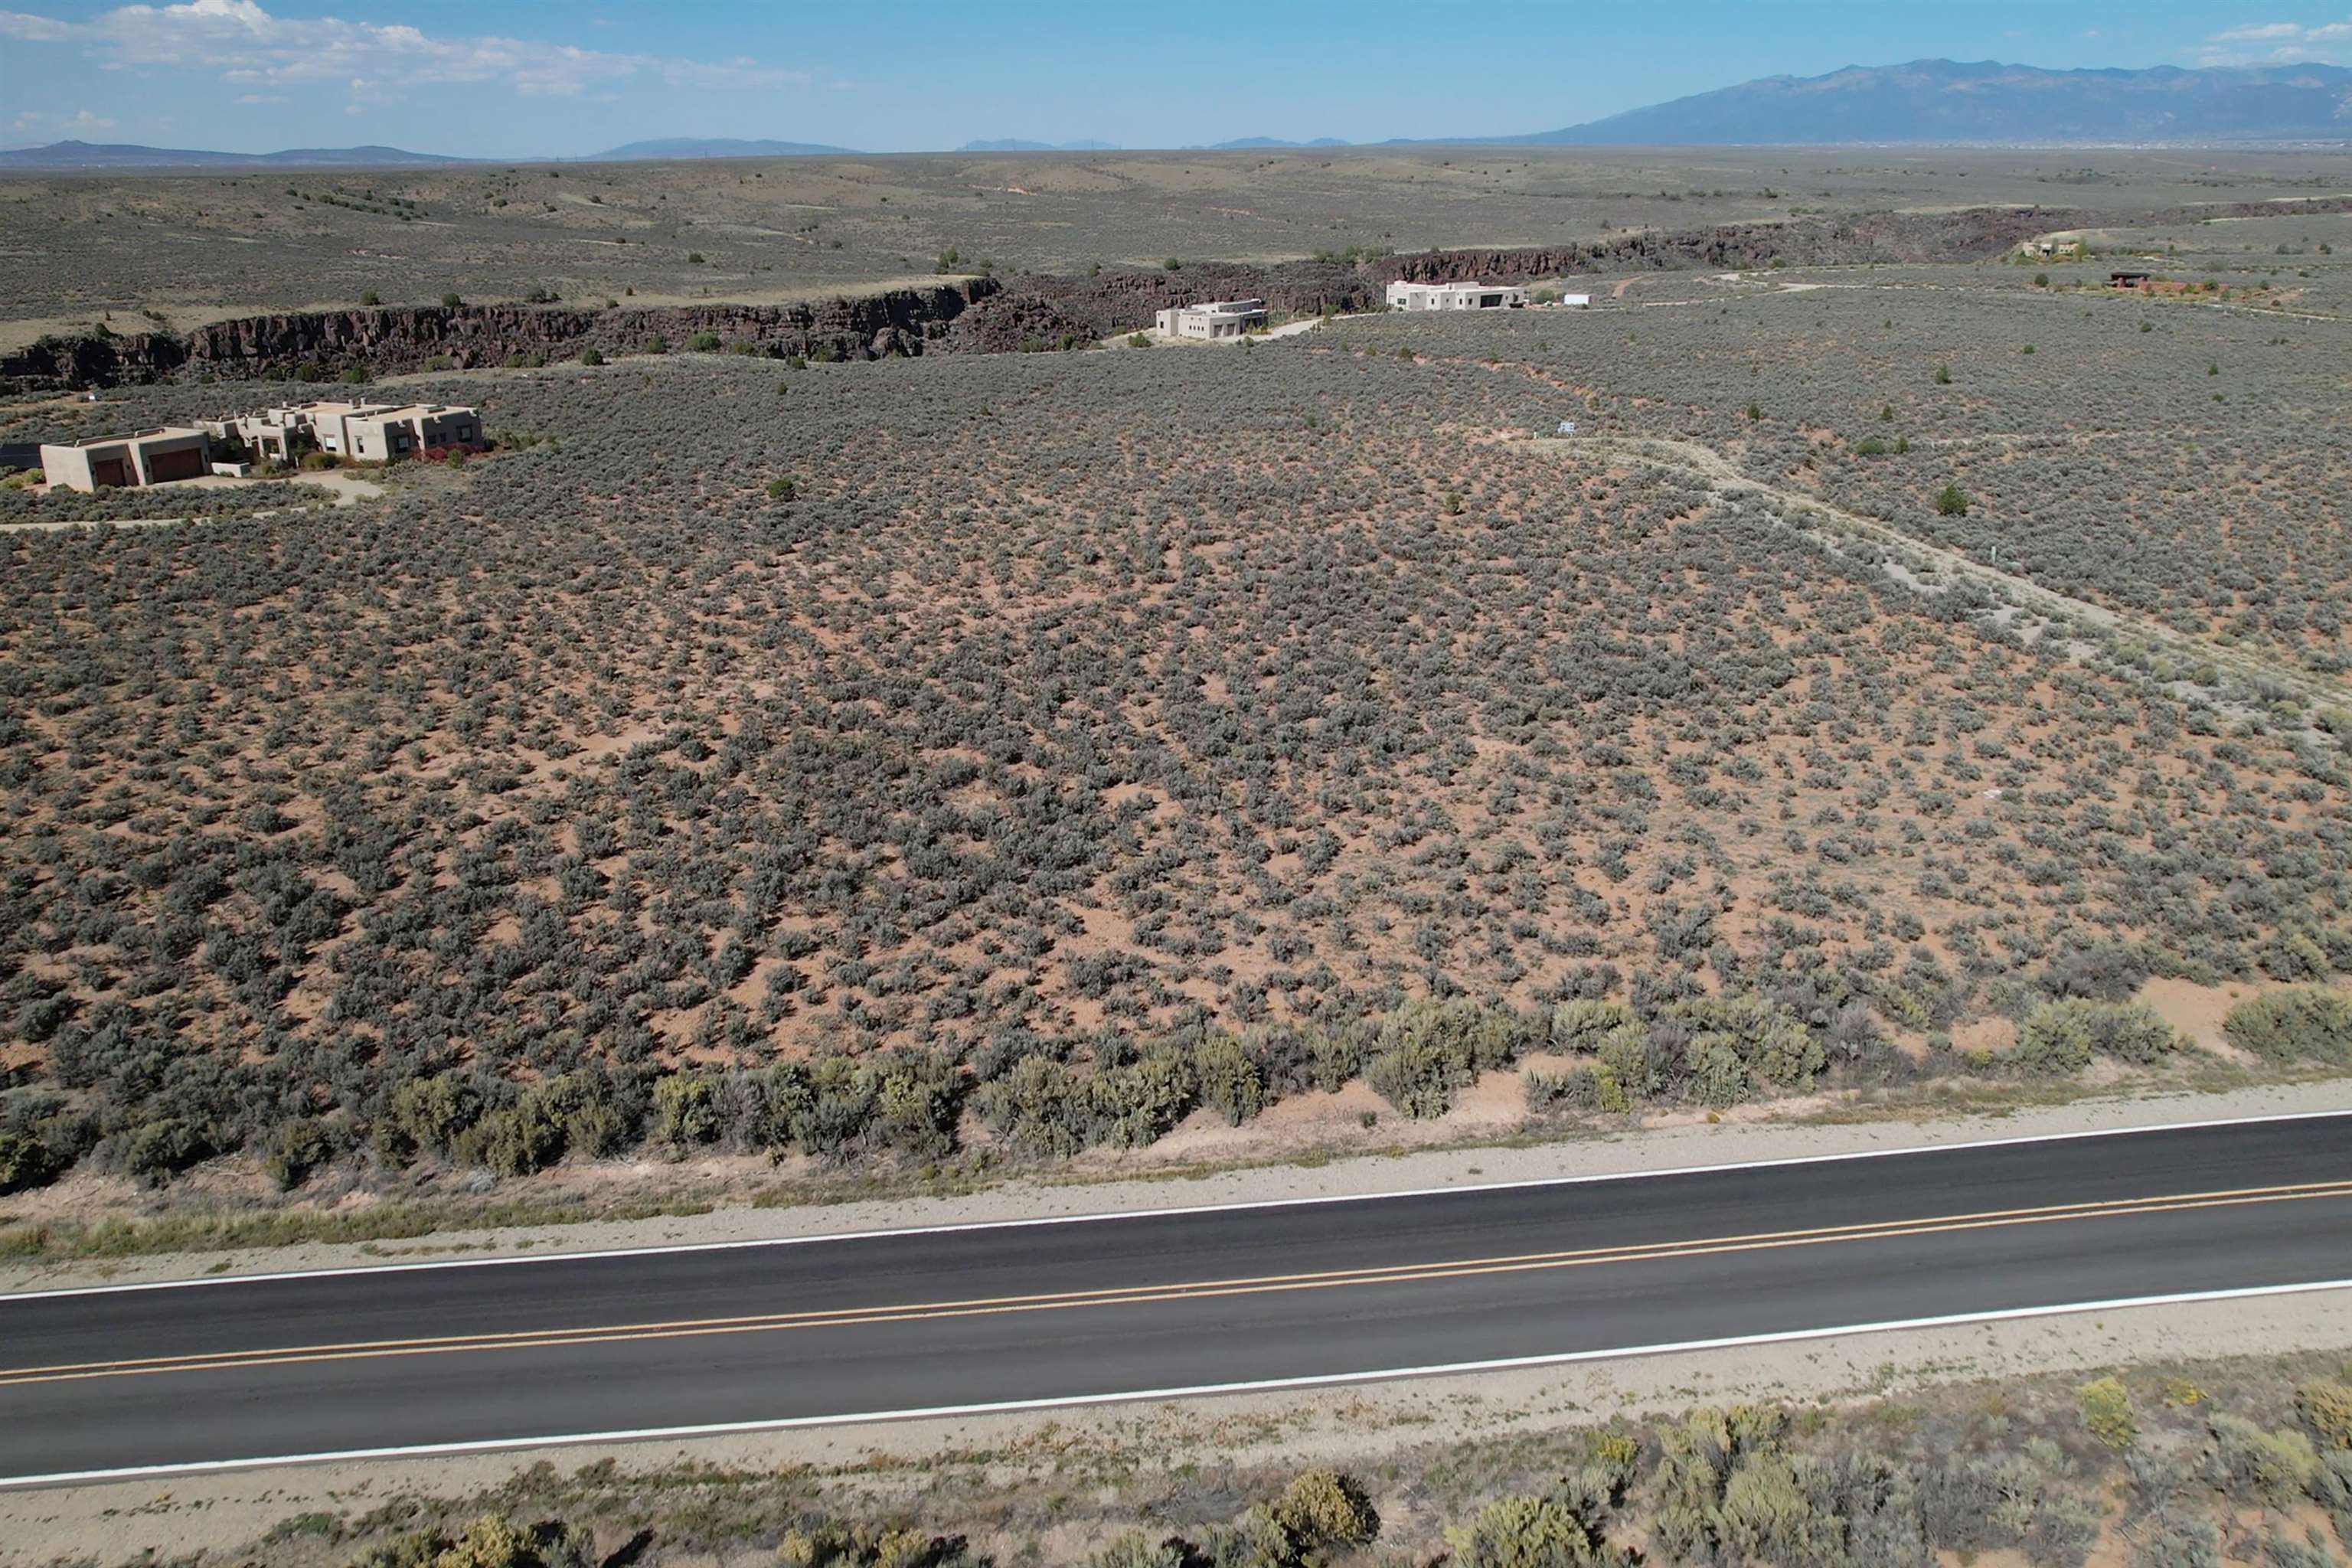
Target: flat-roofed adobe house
[(384, 435), (371, 431), (277, 434), (1455, 297), (1215, 319), (142, 457)]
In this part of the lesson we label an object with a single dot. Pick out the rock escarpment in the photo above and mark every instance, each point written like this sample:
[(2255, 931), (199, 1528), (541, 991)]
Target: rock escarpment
[(388, 340), (1028, 311)]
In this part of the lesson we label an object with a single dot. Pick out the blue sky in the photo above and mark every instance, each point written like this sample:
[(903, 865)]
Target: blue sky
[(513, 78)]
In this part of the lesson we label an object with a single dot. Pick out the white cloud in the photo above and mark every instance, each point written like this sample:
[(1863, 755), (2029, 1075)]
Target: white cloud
[(36, 30), (274, 51), (64, 125), (2276, 43)]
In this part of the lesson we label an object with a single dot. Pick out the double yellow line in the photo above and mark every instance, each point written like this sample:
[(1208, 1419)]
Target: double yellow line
[(1206, 1290)]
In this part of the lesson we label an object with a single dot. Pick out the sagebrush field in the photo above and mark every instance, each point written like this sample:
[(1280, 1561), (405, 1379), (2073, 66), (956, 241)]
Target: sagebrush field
[(1897, 669)]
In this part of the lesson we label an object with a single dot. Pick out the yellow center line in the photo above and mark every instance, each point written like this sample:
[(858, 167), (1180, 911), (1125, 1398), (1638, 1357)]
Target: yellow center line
[(1181, 1291)]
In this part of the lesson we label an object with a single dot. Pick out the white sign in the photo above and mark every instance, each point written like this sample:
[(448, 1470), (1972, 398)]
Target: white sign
[(1568, 426)]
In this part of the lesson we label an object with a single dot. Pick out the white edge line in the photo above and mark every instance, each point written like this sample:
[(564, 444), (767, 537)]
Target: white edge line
[(1194, 1391), (6, 1297)]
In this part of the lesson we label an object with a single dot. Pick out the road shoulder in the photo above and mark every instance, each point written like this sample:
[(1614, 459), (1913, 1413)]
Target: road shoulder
[(1648, 1151)]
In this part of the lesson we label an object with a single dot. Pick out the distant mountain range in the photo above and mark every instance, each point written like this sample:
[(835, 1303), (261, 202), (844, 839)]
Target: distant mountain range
[(1242, 143), (126, 155), (710, 147), (1014, 145), (1924, 102), (1948, 101)]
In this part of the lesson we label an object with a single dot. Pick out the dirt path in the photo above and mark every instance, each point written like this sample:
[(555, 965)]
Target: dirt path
[(1696, 461)]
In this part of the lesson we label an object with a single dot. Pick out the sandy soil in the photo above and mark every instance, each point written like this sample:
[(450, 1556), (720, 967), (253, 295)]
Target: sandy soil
[(1313, 1174), (1352, 1426)]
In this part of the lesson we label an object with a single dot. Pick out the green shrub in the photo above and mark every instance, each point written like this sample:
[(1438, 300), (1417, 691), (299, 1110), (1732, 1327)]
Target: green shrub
[(490, 1541), (158, 1150), (516, 1140), (1132, 1106), (782, 489), (1039, 1107), (429, 1113), (2294, 956), (1419, 1076), (2302, 1024), (25, 1161), (1951, 501), (703, 342), (298, 1148), (2326, 1411), (2275, 1467), (1137, 1550), (864, 1545), (916, 1099), (1581, 1025), (592, 355), (2054, 1039), (686, 1110), (2060, 1038), (1324, 1512), (451, 300), (1527, 1532), (1337, 1055), (1232, 1084), (1577, 1089), (2108, 1412)]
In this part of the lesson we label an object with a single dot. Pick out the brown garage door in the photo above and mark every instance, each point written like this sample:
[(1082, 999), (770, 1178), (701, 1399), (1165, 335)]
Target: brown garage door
[(187, 463), (105, 471)]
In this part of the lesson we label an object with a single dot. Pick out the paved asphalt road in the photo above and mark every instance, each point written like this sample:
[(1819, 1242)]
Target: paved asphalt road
[(553, 1347)]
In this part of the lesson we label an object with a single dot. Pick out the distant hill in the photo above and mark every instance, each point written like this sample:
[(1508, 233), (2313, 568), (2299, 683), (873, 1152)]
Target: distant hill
[(1948, 101), (1245, 143), (1014, 145), (712, 147), (128, 155)]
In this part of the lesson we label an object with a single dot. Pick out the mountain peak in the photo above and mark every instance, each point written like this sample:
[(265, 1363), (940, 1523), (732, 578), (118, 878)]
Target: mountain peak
[(1943, 100)]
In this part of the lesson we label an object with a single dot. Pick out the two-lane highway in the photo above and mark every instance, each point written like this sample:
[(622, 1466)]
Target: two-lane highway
[(155, 1379)]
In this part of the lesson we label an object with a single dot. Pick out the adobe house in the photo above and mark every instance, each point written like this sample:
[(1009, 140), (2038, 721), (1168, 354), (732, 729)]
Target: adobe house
[(144, 458), (371, 431), (380, 435), (1455, 297), (1216, 319)]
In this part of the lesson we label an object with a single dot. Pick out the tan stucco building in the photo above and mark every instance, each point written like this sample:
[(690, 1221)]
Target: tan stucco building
[(369, 432), (1455, 297), (1215, 319), (142, 457)]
